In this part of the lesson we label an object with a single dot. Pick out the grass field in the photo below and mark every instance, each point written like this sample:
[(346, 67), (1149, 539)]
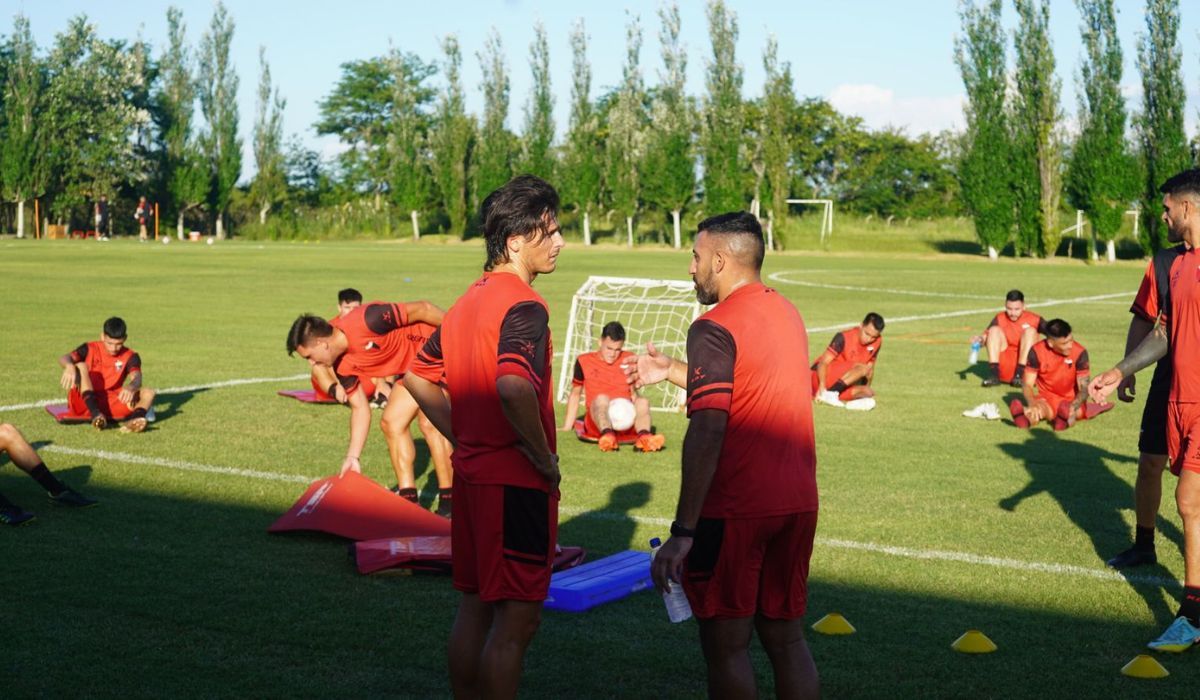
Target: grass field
[(930, 523)]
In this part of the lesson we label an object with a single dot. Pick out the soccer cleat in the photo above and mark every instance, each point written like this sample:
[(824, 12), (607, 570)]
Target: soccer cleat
[(1133, 557), (1179, 637), (649, 443), (863, 404), (1018, 413), (134, 425), (990, 381), (150, 415), (991, 411), (71, 498), (1016, 381), (445, 506), (12, 515), (100, 422), (608, 443), (830, 398)]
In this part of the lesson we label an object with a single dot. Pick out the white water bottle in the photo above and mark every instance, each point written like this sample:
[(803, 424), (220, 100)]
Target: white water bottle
[(974, 356), (675, 599)]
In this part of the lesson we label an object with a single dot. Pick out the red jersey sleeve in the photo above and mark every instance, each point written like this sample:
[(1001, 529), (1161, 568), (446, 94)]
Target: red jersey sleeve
[(524, 337), (1032, 362), (382, 319), (430, 364), (577, 377), (711, 352), (80, 353), (838, 344), (134, 364), (1145, 304)]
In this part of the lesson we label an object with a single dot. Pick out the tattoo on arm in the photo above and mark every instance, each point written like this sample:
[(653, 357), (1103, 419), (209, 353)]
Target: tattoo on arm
[(1152, 348)]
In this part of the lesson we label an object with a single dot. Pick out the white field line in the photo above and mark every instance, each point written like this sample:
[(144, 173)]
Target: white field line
[(176, 464), (169, 391), (779, 277)]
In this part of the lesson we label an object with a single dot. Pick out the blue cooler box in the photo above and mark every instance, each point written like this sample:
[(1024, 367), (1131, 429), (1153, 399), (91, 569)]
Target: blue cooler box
[(600, 581)]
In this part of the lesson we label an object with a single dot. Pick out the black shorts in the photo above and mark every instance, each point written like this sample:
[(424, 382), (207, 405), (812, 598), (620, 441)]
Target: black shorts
[(1152, 439)]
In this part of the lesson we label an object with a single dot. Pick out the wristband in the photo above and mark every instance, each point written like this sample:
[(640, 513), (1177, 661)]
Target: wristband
[(678, 530)]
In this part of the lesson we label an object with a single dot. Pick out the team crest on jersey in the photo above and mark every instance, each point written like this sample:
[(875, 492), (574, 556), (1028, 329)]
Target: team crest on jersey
[(118, 364), (370, 345), (870, 348)]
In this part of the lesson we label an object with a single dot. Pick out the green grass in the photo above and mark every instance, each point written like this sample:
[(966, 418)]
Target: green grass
[(171, 587)]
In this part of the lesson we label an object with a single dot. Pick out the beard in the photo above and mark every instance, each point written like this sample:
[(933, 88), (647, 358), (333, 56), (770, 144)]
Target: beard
[(705, 296)]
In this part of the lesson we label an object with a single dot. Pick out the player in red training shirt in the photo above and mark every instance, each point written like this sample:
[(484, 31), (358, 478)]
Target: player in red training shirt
[(599, 379), (103, 380), (1178, 334), (1008, 339), (842, 374), (492, 354), (747, 514), (379, 340), (1057, 372), (324, 381)]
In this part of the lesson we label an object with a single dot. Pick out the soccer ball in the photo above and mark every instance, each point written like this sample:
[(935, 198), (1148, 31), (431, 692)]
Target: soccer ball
[(210, 240), (621, 414)]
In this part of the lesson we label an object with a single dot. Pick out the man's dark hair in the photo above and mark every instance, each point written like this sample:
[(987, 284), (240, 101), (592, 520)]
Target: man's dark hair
[(305, 329), (1184, 183), (1057, 328), (1014, 295), (738, 223), (349, 294), (613, 330), (875, 320), (115, 328), (519, 208)]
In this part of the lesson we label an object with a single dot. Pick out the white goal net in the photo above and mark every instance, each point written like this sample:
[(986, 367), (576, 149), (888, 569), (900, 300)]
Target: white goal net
[(657, 311)]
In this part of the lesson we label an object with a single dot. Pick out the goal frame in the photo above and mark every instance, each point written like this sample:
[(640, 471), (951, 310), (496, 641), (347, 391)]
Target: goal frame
[(826, 214)]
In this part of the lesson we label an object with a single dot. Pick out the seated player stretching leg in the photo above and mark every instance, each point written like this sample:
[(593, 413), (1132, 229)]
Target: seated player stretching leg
[(599, 378), (1055, 382), (1008, 338), (103, 380), (844, 371), (23, 455)]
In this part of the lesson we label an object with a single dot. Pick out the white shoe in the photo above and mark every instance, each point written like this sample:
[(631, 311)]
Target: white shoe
[(983, 410), (150, 415), (864, 404), (991, 411), (830, 398)]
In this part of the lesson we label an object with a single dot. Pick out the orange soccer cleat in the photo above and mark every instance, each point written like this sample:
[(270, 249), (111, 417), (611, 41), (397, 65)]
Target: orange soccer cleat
[(649, 442), (608, 442)]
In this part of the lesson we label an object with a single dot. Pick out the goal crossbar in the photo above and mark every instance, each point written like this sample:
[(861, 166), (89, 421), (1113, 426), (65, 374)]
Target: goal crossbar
[(826, 214)]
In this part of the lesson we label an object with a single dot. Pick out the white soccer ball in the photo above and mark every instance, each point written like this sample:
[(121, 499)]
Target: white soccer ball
[(621, 414), (210, 241)]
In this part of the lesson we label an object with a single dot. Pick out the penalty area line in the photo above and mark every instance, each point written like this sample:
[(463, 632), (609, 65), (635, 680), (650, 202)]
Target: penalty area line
[(168, 391)]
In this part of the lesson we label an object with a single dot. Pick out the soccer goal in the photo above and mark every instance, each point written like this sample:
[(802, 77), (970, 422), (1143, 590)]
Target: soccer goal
[(826, 214), (657, 311)]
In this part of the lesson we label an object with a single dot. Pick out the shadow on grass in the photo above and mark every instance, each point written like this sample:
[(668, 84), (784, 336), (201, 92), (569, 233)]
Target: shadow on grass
[(166, 406), (609, 528)]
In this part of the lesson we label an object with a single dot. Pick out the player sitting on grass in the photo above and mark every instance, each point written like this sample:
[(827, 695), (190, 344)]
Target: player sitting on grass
[(1008, 338), (1055, 382), (842, 374), (22, 454), (103, 380), (599, 377), (379, 340)]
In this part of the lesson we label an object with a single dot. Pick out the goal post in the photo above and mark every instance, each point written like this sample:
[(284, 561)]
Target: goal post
[(826, 214), (657, 311)]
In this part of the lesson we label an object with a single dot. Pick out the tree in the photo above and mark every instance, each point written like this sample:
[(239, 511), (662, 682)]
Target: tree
[(537, 158), (721, 136), (451, 139), (670, 166), (218, 102), (23, 167), (625, 143), (1036, 115), (407, 154), (270, 184), (183, 166), (581, 159), (1101, 178), (1164, 146), (779, 102), (493, 157)]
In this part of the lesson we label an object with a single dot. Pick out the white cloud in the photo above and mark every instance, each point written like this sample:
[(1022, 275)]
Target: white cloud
[(879, 107)]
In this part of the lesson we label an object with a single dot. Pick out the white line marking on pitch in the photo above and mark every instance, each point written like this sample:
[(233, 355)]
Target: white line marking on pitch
[(171, 390), (176, 464), (779, 277)]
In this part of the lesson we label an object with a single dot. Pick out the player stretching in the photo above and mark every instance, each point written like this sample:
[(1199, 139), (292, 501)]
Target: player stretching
[(493, 355), (1180, 336), (842, 374), (1008, 338), (103, 380), (22, 454), (1056, 377), (324, 381), (599, 377), (747, 513)]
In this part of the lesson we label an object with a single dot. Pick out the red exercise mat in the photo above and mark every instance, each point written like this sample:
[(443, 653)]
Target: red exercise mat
[(357, 508), (61, 412), (305, 396)]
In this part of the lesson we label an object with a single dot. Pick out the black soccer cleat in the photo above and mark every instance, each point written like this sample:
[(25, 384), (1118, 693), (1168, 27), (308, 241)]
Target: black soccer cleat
[(990, 381), (1016, 381), (1133, 557), (12, 515), (444, 508), (71, 498)]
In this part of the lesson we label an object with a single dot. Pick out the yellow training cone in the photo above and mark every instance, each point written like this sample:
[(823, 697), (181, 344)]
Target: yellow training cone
[(973, 642), (833, 623), (1145, 666)]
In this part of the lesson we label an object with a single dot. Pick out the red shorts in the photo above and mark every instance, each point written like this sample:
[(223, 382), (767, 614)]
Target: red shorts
[(1183, 436), (833, 373), (739, 567), (587, 430), (107, 401), (1008, 363), (502, 540)]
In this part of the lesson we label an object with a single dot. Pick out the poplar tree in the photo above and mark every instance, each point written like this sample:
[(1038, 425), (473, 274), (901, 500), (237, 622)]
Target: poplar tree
[(779, 103), (721, 135), (183, 167), (581, 158), (626, 134), (537, 157), (408, 162), (670, 165), (23, 167), (493, 164), (270, 184), (218, 102), (450, 139)]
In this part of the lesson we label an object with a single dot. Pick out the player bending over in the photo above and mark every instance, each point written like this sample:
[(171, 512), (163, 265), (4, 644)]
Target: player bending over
[(600, 379), (1009, 337), (1055, 382), (842, 374), (324, 381), (103, 380), (22, 454)]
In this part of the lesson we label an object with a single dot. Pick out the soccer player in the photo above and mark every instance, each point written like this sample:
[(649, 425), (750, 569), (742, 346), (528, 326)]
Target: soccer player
[(103, 380), (1057, 372), (1008, 339), (493, 355), (379, 339), (747, 512), (324, 381), (599, 378), (23, 455), (1179, 336), (843, 373)]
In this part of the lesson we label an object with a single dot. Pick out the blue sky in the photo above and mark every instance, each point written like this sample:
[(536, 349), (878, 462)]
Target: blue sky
[(890, 62)]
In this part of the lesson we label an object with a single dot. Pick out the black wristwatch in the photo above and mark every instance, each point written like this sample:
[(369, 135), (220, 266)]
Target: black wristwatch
[(678, 530)]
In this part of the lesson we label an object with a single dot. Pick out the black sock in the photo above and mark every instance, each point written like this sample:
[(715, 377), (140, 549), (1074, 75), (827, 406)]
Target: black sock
[(1019, 373), (89, 400), (136, 413), (445, 494), (1189, 607), (643, 432), (47, 481), (607, 431), (838, 387), (409, 495), (1143, 538), (995, 368)]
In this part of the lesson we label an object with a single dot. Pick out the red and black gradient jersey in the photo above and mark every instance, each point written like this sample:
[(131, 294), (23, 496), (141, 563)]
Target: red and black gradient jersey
[(381, 342), (1058, 374), (1153, 298), (739, 361), (847, 349), (499, 327), (1183, 318), (107, 372), (1013, 329), (598, 377)]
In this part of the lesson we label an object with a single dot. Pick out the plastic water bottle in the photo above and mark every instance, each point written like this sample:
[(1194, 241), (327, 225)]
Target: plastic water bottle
[(678, 608), (974, 356)]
